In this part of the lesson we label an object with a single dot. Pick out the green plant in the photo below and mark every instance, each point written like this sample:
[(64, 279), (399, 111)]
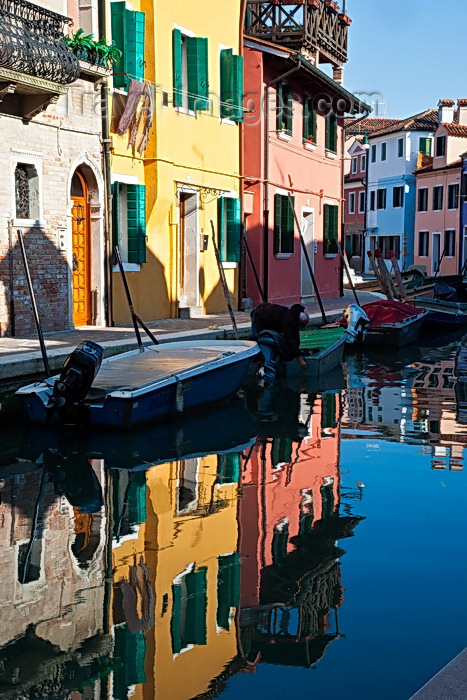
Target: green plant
[(86, 48)]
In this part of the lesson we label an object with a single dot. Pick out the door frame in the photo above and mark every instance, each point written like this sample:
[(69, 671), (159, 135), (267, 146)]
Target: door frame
[(192, 298), (436, 235), (87, 244), (305, 212)]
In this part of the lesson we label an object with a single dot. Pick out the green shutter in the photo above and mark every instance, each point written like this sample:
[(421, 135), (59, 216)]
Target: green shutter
[(279, 106), (288, 114), (425, 146), (176, 619), (226, 73), (289, 224), (233, 223), (231, 86), (197, 603), (400, 148), (283, 224), (197, 69), (331, 133), (277, 223), (116, 214), (136, 208), (221, 228), (237, 88), (331, 223), (128, 35), (117, 12), (309, 120), (177, 68)]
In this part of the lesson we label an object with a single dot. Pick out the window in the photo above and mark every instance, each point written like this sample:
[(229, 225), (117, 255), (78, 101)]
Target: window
[(437, 198), (398, 197), (424, 146), (423, 199), (231, 70), (354, 165), (381, 199), (383, 150), (363, 163), (331, 226), (453, 196), (373, 153), (228, 588), (423, 243), (283, 225), (309, 120), (284, 108), (190, 72), (128, 35), (129, 221), (389, 243), (331, 133), (449, 243), (440, 146), (352, 203), (229, 227), (372, 200), (400, 148), (361, 201), (26, 192), (188, 623)]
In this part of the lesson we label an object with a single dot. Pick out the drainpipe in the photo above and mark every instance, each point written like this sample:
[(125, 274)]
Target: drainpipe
[(108, 305), (266, 175)]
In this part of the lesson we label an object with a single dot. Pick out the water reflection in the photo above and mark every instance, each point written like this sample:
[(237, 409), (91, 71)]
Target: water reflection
[(164, 563)]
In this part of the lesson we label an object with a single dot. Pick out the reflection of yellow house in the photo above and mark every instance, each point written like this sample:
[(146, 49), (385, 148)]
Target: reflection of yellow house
[(170, 193), (186, 542)]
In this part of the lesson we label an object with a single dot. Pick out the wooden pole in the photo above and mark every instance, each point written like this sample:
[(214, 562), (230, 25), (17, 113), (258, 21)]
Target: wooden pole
[(307, 258), (384, 272), (253, 267), (347, 272), (134, 317), (223, 280), (379, 279), (45, 359), (397, 275)]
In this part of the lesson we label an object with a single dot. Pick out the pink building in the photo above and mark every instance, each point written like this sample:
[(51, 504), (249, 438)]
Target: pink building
[(437, 217), (293, 152), (354, 204)]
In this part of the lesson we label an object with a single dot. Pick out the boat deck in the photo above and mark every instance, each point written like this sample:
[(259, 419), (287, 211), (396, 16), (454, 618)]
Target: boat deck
[(155, 364)]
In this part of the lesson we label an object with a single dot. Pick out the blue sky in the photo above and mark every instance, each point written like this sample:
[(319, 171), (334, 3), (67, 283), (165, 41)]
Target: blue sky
[(412, 52)]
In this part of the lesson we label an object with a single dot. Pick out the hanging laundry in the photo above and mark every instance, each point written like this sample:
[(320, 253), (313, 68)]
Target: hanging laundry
[(143, 120), (134, 96)]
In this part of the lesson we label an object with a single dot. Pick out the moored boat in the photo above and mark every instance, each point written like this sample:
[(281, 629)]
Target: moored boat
[(390, 324), (139, 386)]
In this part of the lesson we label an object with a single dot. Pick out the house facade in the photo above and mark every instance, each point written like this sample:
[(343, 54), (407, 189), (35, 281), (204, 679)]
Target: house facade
[(390, 208), (355, 203), (438, 231), (293, 154), (53, 192)]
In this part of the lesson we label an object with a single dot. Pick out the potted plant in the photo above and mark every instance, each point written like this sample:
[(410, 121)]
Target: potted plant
[(86, 48)]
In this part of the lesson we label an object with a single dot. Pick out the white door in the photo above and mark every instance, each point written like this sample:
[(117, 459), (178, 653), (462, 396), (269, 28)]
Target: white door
[(307, 290), (188, 271), (436, 252)]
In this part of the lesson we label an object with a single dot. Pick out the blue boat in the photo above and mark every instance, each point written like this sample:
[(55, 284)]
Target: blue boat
[(140, 386), (442, 312)]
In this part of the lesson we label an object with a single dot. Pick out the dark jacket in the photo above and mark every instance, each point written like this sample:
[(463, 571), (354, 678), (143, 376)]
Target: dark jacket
[(283, 320)]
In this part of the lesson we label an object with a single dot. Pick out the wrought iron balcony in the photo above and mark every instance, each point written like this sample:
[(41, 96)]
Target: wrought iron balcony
[(31, 43), (316, 27)]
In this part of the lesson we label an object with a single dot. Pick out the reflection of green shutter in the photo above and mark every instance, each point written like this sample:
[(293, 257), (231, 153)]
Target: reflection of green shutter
[(281, 451), (177, 68), (228, 587), (137, 498), (279, 544), (136, 208), (328, 411), (197, 70), (116, 214), (327, 501), (228, 468), (176, 619), (128, 35), (196, 589), (129, 656)]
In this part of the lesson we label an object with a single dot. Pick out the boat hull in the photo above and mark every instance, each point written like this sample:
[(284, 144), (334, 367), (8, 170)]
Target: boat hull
[(395, 335), (443, 313), (321, 362), (124, 394)]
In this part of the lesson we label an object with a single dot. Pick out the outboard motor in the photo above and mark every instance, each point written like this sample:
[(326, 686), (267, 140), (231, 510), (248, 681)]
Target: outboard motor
[(356, 320), (77, 375), (269, 343)]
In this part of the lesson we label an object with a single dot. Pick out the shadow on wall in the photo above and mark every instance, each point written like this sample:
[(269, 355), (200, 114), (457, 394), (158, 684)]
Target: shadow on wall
[(50, 274)]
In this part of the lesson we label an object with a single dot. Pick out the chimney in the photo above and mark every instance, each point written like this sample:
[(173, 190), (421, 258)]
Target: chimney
[(446, 111), (462, 112)]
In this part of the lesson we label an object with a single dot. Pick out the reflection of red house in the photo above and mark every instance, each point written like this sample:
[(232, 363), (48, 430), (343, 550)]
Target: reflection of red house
[(299, 108)]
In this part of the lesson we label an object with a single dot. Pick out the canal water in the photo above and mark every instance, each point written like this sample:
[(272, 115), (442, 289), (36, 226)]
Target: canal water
[(308, 541)]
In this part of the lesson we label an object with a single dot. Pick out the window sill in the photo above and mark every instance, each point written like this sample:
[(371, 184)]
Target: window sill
[(282, 256), (331, 155), (228, 121), (309, 146), (284, 136), (127, 267), (229, 265), (32, 223), (185, 110)]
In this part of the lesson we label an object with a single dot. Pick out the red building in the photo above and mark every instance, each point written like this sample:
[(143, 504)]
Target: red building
[(293, 154)]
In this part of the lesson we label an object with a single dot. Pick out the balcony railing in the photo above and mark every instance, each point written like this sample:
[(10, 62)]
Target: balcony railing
[(31, 42), (314, 25)]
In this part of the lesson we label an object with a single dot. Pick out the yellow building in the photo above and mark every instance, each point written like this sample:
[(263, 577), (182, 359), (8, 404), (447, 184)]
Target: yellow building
[(176, 154), (176, 580)]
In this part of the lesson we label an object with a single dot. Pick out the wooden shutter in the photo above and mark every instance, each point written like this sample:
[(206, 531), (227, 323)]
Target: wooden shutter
[(309, 120), (279, 106), (331, 213), (177, 68), (136, 208), (196, 589), (288, 110), (237, 87), (221, 228), (331, 133), (400, 148), (277, 223), (233, 223), (128, 35), (288, 239), (115, 213), (197, 69), (226, 72)]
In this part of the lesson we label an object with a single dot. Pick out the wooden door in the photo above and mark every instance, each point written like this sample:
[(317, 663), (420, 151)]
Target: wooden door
[(81, 252)]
